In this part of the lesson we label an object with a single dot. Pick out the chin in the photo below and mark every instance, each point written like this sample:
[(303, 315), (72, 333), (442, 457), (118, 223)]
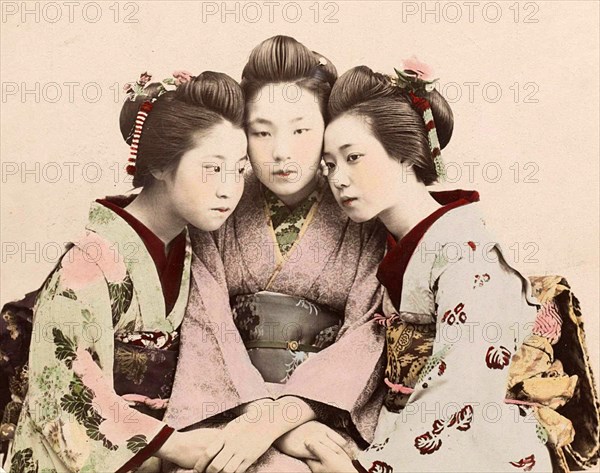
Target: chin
[(209, 225), (284, 188), (358, 217)]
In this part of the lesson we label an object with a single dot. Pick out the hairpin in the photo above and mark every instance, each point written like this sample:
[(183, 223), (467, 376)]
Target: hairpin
[(415, 79), (138, 89)]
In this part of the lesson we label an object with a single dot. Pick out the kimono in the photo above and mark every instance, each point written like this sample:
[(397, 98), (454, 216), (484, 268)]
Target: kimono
[(456, 315), (102, 341), (314, 268)]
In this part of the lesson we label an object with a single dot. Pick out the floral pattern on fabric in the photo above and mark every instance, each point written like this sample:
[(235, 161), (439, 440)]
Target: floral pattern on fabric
[(333, 264), (73, 416), (380, 467), (409, 347), (526, 464), (475, 317), (430, 441), (288, 223), (23, 462)]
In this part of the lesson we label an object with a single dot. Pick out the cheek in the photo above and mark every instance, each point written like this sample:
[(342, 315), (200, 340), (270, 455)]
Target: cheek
[(308, 149), (371, 181), (187, 187), (259, 149)]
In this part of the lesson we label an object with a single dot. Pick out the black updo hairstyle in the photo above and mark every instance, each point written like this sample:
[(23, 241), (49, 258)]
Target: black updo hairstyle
[(178, 118), (283, 59), (391, 117)]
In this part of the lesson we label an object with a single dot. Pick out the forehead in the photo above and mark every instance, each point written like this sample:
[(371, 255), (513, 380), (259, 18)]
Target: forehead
[(347, 128), (221, 139), (283, 102)]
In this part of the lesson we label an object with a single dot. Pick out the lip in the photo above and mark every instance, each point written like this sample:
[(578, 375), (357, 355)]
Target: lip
[(347, 201), (284, 173), (222, 209)]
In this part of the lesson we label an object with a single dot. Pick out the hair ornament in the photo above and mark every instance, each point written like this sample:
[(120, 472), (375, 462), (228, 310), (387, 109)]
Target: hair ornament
[(414, 80), (138, 89), (137, 132), (415, 75), (319, 72)]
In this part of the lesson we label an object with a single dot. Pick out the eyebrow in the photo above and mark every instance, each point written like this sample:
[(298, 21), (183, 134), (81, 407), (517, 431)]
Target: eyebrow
[(341, 148), (222, 158), (264, 121), (261, 121)]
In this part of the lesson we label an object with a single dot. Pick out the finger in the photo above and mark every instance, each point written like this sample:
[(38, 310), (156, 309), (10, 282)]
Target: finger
[(219, 462), (207, 455), (233, 464), (243, 466), (330, 444), (317, 448), (347, 446), (337, 438), (315, 466)]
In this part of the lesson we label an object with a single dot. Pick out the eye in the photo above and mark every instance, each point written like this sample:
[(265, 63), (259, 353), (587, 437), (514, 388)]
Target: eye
[(300, 131), (214, 167), (353, 157), (261, 134), (330, 166)]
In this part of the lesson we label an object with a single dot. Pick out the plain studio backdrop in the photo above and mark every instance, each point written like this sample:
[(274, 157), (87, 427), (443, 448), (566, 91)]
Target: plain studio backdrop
[(522, 78)]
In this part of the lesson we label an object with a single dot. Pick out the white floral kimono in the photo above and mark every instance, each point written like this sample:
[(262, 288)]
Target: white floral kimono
[(105, 288), (456, 314)]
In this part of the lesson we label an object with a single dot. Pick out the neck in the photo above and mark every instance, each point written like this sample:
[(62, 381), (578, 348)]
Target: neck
[(293, 200), (402, 218), (152, 207)]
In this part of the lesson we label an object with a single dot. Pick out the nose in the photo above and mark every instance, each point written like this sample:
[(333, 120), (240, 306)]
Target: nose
[(339, 178), (282, 149), (228, 183)]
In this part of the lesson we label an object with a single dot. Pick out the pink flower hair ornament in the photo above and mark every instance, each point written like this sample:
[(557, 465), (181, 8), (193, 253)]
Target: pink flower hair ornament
[(415, 76)]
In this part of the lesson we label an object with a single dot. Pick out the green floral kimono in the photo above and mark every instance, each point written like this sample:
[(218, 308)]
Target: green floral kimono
[(104, 293)]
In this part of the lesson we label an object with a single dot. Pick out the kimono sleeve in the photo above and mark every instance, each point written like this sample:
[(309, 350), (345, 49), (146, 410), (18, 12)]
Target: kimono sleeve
[(456, 418), (346, 378), (71, 405)]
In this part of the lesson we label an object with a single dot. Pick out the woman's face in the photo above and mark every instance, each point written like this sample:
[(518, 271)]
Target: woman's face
[(363, 177), (285, 139), (207, 184)]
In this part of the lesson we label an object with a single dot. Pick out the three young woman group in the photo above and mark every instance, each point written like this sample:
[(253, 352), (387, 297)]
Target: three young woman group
[(185, 331)]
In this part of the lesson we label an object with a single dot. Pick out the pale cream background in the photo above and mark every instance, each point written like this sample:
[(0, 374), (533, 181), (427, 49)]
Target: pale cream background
[(559, 53)]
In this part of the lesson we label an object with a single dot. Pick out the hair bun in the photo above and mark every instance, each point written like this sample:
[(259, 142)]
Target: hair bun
[(284, 59), (214, 91), (359, 84)]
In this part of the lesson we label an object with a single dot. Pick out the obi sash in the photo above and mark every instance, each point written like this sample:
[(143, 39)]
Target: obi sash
[(144, 370), (280, 331)]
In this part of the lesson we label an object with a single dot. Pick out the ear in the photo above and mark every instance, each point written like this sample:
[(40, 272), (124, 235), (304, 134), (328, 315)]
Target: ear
[(159, 174)]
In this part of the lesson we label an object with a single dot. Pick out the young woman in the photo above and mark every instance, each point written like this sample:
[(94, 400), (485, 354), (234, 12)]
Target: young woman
[(106, 322), (456, 312), (301, 280)]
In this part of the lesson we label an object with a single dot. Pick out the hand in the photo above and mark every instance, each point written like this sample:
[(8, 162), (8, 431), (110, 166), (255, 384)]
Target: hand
[(292, 443), (330, 460), (185, 448), (152, 465), (243, 443)]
